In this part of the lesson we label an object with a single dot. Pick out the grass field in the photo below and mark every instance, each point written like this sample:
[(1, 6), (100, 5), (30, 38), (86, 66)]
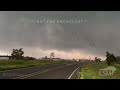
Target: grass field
[(91, 71), (14, 64)]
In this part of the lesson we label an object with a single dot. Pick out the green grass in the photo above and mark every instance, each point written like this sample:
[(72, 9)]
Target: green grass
[(91, 71), (14, 64)]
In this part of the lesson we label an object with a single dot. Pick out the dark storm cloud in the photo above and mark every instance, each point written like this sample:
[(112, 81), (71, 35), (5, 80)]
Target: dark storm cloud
[(100, 34)]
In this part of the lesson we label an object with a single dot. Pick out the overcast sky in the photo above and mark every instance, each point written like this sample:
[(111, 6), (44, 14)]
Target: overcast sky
[(93, 37)]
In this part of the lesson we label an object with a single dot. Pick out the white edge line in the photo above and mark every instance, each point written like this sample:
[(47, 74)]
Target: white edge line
[(74, 72)]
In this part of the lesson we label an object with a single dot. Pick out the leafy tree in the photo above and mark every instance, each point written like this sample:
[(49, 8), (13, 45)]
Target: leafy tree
[(118, 59), (97, 59), (17, 54), (45, 57), (110, 58), (52, 55)]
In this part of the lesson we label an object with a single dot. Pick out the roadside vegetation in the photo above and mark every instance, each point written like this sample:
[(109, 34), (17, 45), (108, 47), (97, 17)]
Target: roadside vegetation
[(14, 64), (17, 60), (92, 69)]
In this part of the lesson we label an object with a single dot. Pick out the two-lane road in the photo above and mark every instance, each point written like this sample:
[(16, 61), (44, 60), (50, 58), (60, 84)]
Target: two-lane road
[(48, 72)]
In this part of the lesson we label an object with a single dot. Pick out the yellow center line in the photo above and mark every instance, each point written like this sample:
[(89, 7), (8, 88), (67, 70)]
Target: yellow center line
[(38, 72)]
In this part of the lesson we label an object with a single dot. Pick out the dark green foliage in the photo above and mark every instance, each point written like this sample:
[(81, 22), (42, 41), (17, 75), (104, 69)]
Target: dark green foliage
[(17, 54), (110, 58), (118, 59), (97, 59), (29, 58)]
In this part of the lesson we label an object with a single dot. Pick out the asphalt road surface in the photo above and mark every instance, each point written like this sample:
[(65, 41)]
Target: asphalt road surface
[(66, 71)]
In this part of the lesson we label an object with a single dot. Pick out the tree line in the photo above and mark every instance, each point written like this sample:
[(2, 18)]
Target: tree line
[(17, 54), (110, 59)]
